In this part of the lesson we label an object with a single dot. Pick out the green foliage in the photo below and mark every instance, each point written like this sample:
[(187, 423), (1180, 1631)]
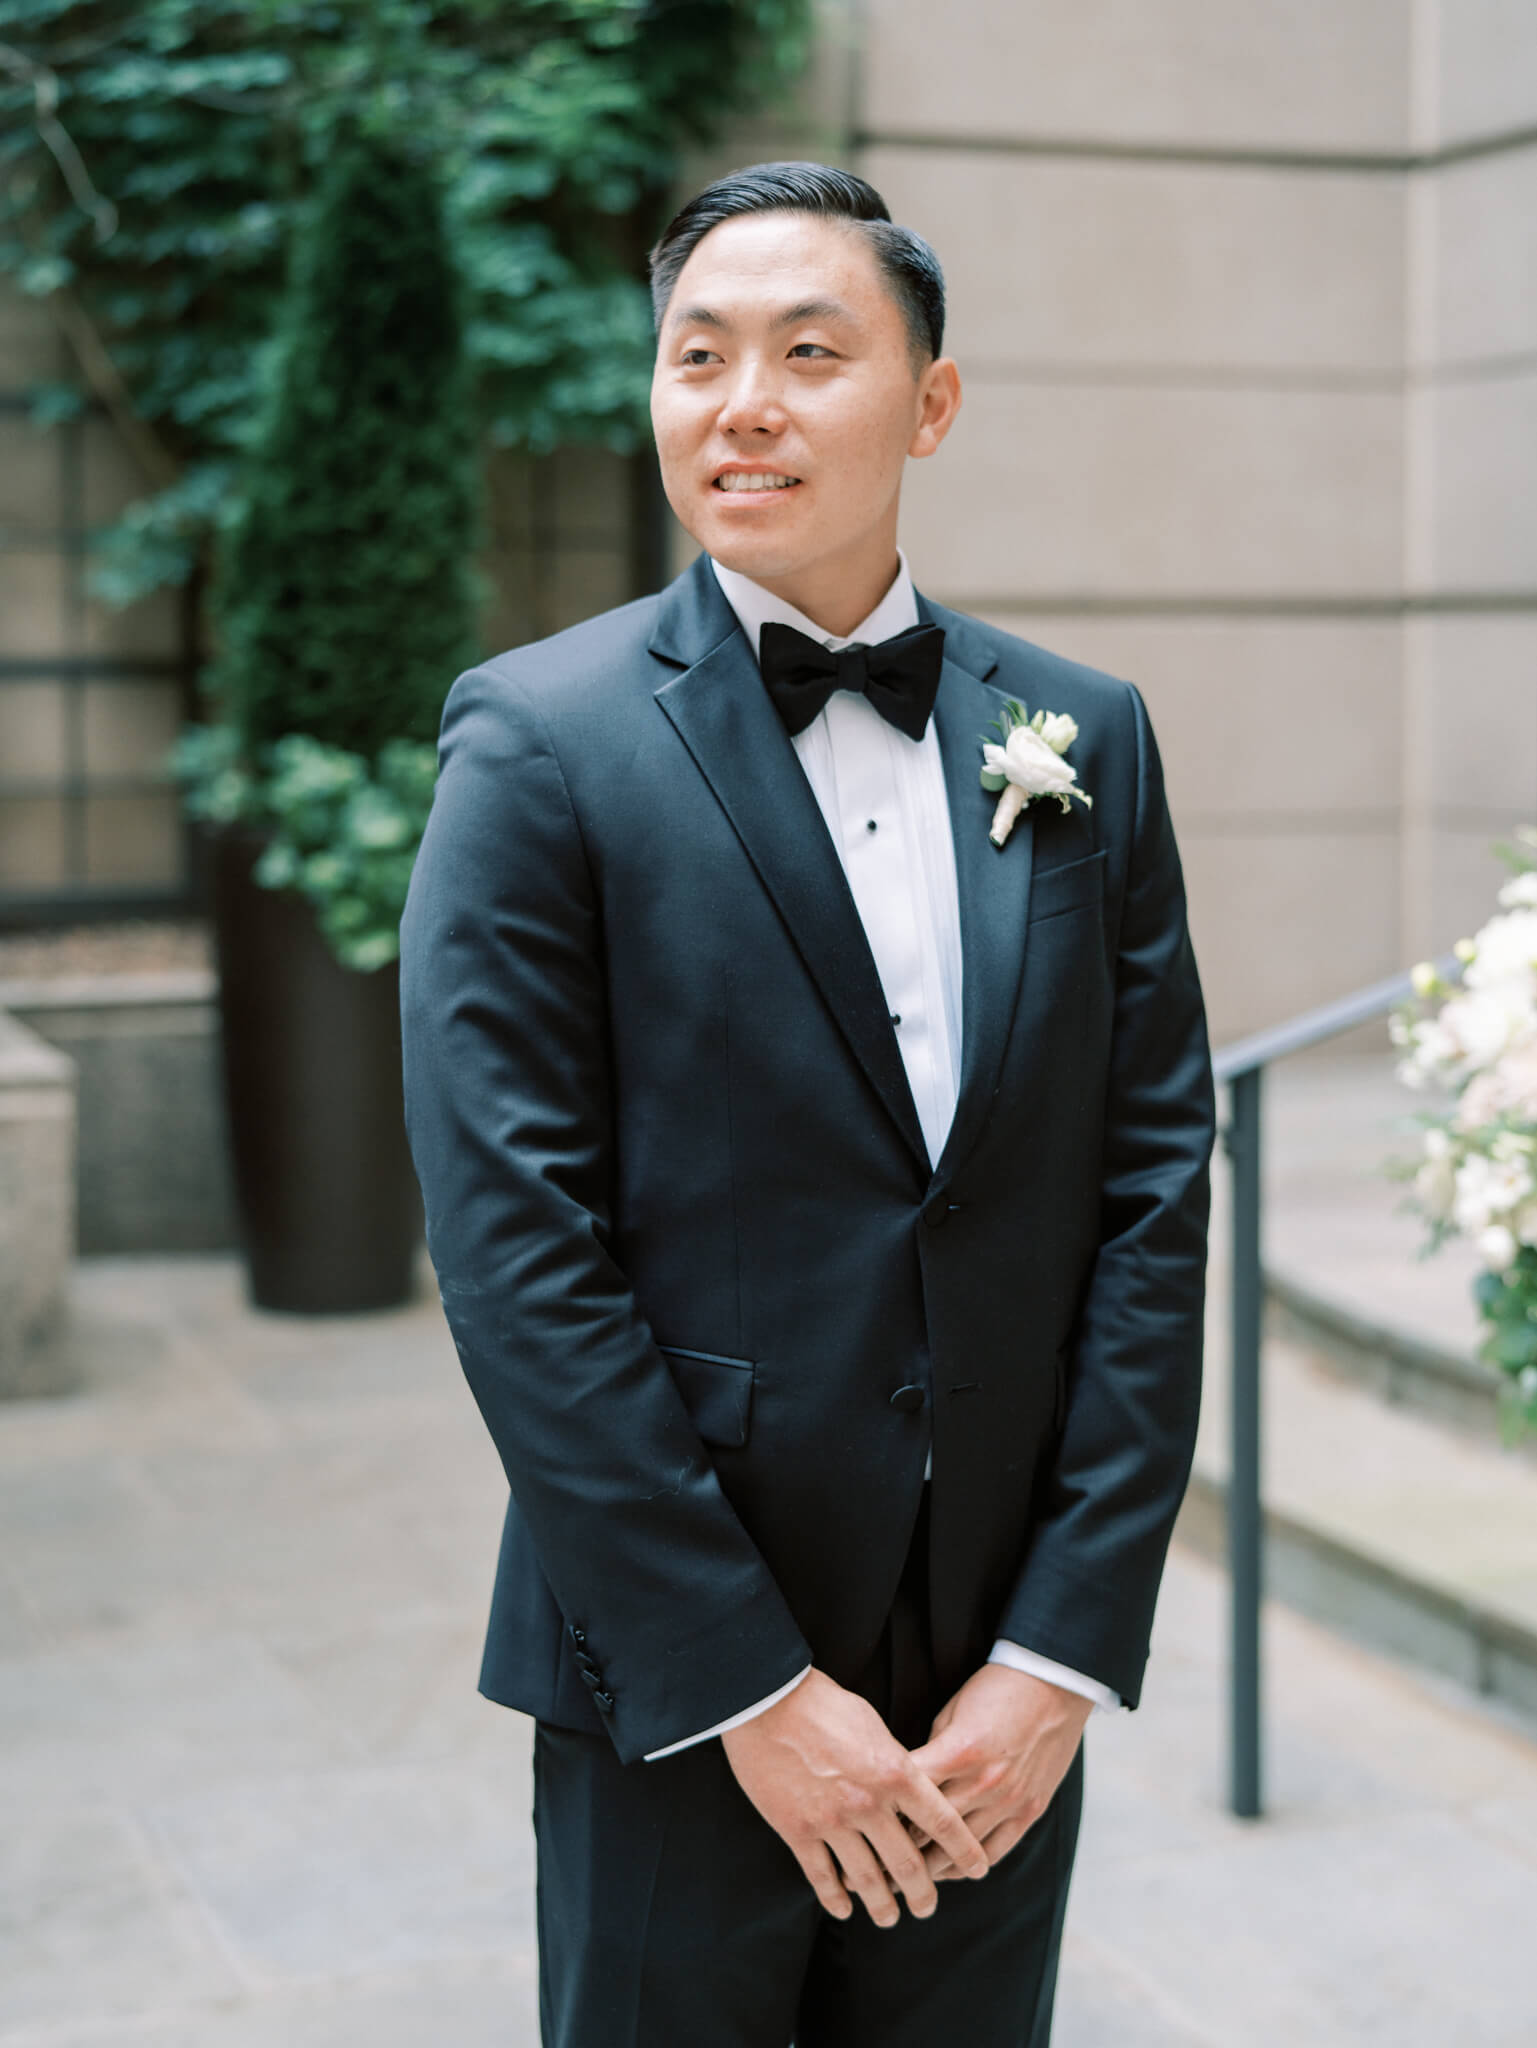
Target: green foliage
[(342, 831), (1507, 1303), (458, 193), (156, 155), (344, 603), (344, 600)]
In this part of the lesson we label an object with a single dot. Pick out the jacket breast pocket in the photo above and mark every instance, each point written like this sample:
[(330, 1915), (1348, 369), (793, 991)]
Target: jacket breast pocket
[(1077, 886), (717, 1392)]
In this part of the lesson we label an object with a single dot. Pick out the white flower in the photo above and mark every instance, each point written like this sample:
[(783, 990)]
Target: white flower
[(1524, 1224), (1498, 1247), (1520, 892), (1487, 1190), (1475, 1028), (1505, 954), (1028, 765), (1507, 1088), (1424, 979), (1434, 1054), (1031, 764)]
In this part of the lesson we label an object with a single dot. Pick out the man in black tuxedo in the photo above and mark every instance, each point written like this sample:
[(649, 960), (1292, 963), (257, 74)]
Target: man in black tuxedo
[(817, 1189)]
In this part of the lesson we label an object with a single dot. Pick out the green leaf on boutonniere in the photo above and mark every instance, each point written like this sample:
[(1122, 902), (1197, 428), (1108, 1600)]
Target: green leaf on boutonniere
[(992, 781)]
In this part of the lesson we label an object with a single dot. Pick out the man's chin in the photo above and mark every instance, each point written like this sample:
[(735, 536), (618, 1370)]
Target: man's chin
[(759, 556)]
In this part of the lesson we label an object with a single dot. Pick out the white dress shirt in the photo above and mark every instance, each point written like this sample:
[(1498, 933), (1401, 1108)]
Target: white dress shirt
[(884, 801)]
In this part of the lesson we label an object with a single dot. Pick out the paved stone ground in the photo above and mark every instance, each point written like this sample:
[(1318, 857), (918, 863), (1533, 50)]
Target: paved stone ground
[(249, 1797)]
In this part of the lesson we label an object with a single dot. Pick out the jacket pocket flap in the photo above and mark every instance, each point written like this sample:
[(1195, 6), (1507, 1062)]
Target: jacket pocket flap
[(717, 1392), (1053, 890)]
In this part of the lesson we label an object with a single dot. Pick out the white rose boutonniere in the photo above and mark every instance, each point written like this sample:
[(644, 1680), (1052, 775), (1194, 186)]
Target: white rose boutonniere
[(1029, 764)]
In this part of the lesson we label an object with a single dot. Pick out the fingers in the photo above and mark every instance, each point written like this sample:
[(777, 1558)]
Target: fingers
[(904, 1866), (997, 1841), (822, 1875), (865, 1878), (934, 1757), (923, 1802)]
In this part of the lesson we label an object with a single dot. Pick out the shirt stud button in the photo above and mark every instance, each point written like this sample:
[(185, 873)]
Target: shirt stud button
[(896, 1017), (869, 824)]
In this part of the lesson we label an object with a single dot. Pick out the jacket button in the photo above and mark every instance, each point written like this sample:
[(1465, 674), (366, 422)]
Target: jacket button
[(591, 1677), (578, 1635), (604, 1702), (935, 1209), (587, 1662), (908, 1399)]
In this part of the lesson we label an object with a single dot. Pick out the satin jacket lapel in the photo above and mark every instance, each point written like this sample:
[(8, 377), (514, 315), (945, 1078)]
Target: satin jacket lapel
[(993, 882), (725, 718)]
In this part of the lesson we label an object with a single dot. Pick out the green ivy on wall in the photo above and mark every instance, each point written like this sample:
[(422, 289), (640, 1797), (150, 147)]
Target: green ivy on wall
[(155, 156)]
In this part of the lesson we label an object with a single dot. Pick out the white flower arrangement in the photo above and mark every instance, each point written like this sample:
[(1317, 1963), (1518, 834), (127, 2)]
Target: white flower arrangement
[(1029, 764), (1477, 1172)]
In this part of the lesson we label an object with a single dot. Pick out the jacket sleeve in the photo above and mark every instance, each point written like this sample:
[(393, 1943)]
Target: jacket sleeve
[(1086, 1592), (507, 1090)]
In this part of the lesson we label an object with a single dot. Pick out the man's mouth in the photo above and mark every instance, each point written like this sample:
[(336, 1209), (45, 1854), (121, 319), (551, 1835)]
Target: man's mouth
[(753, 480)]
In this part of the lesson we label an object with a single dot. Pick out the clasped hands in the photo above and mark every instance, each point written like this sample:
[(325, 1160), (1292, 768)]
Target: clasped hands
[(866, 1817)]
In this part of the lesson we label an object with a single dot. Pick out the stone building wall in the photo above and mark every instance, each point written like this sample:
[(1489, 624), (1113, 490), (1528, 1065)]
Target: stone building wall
[(1470, 656)]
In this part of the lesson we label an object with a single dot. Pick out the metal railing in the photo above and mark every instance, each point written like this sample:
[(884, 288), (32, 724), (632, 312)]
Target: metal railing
[(1240, 1067)]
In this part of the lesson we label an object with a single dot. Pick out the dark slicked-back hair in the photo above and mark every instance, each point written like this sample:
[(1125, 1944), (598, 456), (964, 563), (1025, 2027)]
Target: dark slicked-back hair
[(909, 265)]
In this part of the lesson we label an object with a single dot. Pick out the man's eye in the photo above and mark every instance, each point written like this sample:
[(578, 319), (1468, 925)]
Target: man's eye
[(693, 358), (810, 348)]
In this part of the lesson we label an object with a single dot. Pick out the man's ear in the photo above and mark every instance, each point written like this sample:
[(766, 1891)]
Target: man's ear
[(939, 400)]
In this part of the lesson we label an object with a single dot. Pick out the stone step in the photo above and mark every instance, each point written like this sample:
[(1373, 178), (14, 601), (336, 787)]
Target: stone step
[(1399, 1363)]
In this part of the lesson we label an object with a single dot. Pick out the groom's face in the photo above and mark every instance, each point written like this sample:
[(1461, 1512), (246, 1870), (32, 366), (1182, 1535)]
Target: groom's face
[(786, 398)]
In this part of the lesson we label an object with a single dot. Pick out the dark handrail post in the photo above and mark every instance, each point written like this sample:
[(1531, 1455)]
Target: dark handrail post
[(1244, 1528)]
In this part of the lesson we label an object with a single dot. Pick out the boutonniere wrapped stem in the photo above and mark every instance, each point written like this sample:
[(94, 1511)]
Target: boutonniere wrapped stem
[(1029, 764)]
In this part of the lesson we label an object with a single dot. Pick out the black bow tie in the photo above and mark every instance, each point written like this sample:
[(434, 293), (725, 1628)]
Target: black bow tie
[(900, 676)]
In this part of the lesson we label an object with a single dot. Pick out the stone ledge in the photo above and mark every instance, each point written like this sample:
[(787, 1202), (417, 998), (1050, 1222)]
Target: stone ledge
[(153, 1172), (107, 991), (1375, 1600), (37, 1208), (1453, 1386)]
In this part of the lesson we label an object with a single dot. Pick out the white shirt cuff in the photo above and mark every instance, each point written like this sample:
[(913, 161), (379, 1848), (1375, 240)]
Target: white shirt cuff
[(736, 1721), (1055, 1674)]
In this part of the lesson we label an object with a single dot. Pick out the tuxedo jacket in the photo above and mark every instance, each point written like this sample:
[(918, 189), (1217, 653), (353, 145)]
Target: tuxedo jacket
[(712, 1299)]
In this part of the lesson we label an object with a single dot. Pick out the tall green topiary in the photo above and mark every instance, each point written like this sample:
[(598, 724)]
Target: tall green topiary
[(344, 600)]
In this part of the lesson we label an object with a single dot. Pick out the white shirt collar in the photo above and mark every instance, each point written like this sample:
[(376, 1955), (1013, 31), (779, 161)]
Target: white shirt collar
[(756, 608)]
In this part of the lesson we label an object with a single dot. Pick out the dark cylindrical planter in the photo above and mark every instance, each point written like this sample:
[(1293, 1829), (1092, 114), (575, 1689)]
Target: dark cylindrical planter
[(329, 1206)]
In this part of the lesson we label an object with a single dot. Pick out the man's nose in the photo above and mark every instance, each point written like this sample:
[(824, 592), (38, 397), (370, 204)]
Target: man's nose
[(750, 403)]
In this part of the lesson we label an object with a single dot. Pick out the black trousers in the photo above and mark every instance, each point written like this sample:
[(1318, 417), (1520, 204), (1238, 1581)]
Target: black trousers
[(672, 1916)]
